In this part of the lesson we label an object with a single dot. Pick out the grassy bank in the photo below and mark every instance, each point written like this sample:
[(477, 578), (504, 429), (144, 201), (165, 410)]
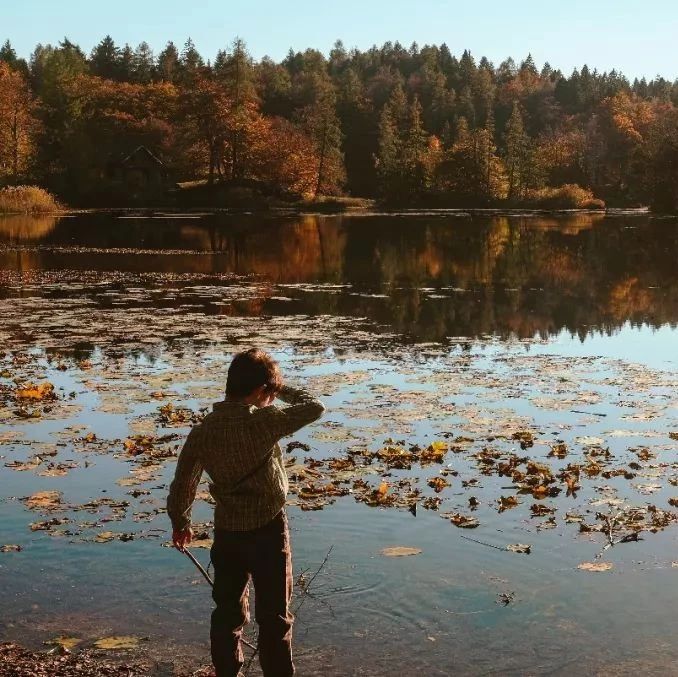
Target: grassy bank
[(27, 200)]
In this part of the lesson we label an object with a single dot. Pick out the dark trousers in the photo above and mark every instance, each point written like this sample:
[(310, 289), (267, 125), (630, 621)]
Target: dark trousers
[(263, 555)]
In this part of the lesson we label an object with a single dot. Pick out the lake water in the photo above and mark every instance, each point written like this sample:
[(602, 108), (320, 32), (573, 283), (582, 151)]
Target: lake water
[(470, 333)]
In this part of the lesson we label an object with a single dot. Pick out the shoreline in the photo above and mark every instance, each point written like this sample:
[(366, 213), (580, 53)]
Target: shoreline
[(373, 209)]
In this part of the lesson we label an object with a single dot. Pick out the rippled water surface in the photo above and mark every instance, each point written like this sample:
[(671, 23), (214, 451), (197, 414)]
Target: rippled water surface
[(465, 335)]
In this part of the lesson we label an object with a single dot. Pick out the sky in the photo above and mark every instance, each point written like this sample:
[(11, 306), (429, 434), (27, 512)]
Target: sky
[(638, 38)]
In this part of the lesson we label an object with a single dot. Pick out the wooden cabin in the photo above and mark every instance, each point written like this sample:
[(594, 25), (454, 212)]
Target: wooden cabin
[(139, 173)]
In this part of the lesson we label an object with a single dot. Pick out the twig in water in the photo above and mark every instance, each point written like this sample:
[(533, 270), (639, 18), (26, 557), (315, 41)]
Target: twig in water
[(307, 586), (488, 545)]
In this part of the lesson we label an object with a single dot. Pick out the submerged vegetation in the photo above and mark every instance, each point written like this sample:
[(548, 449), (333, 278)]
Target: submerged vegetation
[(415, 125)]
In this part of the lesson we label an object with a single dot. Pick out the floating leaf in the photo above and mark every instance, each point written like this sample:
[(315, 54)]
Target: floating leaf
[(10, 548), (595, 566), (29, 391), (438, 484), (463, 521), (43, 500), (65, 642), (400, 551), (507, 502), (113, 643), (521, 548)]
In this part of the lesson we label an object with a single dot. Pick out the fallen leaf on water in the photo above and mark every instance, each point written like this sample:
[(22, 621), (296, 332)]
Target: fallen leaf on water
[(43, 500), (521, 548), (507, 502), (112, 643), (30, 391), (595, 566), (65, 642), (463, 521), (400, 551), (10, 548), (438, 484), (589, 441)]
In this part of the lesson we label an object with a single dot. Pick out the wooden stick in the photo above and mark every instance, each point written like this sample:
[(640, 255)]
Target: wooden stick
[(199, 566), (488, 545)]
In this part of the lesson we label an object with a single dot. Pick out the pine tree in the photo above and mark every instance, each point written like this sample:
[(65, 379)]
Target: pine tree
[(8, 55), (126, 64), (143, 63), (390, 143), (190, 60), (322, 124), (415, 147), (517, 149), (168, 63), (235, 72), (104, 59)]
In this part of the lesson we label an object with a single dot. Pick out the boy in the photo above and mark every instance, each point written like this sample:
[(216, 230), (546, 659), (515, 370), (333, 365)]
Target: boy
[(237, 445)]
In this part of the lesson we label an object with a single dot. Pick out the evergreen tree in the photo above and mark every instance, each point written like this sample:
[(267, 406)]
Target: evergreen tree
[(168, 63), (104, 59), (190, 61), (126, 64), (236, 70), (517, 155), (322, 124), (8, 56), (143, 63)]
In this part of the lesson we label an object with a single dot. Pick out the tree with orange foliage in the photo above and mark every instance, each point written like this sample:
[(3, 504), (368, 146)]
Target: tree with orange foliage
[(285, 157), (19, 125)]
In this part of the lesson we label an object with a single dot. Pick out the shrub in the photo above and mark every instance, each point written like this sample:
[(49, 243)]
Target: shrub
[(27, 200), (568, 196)]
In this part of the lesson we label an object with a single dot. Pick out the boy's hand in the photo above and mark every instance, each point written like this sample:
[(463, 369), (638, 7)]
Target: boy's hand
[(182, 538)]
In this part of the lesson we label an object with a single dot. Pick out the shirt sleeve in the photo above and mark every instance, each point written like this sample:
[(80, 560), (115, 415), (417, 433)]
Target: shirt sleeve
[(303, 409), (186, 478)]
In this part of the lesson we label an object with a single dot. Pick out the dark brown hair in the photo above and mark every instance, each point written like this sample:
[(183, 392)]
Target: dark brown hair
[(250, 370)]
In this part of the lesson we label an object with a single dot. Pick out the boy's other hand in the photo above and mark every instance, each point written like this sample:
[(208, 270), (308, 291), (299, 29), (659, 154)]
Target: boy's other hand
[(182, 538)]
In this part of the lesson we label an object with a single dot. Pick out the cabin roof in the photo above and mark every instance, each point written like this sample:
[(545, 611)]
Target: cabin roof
[(126, 159)]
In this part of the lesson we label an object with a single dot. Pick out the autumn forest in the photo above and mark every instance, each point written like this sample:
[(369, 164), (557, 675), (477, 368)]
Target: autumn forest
[(408, 126)]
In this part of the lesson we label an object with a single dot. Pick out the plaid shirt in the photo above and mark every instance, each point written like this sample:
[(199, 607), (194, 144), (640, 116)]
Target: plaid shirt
[(237, 445)]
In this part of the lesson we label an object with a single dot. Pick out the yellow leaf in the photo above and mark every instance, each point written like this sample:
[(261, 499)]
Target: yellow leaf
[(400, 551), (112, 643), (44, 500), (65, 642), (595, 566)]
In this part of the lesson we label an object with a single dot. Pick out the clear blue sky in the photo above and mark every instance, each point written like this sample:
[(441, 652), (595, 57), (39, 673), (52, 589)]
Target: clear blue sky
[(639, 38)]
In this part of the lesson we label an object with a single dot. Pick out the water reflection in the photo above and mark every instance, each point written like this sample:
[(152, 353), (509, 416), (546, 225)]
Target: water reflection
[(25, 228), (429, 277)]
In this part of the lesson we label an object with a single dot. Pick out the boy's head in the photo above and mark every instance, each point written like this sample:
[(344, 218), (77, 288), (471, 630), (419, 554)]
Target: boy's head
[(254, 377)]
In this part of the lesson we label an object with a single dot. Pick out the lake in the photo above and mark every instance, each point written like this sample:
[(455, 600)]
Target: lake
[(490, 381)]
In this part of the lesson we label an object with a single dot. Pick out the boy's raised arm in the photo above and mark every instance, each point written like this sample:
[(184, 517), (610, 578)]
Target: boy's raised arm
[(303, 409), (185, 484)]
